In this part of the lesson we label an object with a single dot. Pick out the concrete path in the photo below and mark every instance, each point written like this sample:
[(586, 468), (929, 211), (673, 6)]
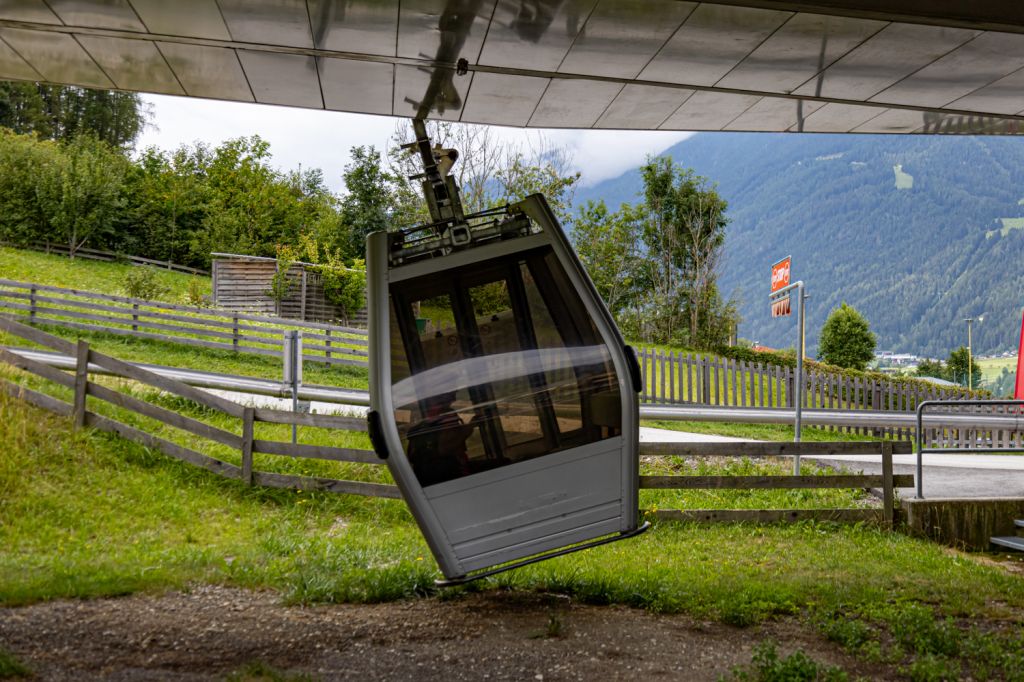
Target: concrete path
[(944, 475)]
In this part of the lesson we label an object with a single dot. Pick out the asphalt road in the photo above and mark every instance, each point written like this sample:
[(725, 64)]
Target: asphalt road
[(947, 476)]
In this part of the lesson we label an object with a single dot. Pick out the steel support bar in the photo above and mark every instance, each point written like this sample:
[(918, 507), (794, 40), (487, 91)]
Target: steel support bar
[(975, 422)]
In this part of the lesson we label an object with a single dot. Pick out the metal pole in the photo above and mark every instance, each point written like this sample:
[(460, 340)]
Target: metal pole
[(799, 373), (970, 360)]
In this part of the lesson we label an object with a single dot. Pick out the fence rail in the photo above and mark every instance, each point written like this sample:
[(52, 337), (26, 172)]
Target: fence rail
[(248, 444), (189, 325), (108, 256), (676, 378)]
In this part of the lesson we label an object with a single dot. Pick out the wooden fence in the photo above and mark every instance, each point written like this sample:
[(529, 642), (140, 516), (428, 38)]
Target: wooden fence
[(243, 283), (247, 444), (690, 378), (189, 325), (108, 256)]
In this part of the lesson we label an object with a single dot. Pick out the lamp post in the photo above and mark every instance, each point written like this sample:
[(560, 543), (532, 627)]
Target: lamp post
[(970, 356), (970, 362)]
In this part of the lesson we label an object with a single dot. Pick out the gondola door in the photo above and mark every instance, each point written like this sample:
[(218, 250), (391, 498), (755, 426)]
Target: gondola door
[(503, 399)]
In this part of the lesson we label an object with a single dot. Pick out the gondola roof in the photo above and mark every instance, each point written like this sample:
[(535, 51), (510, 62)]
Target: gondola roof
[(869, 66)]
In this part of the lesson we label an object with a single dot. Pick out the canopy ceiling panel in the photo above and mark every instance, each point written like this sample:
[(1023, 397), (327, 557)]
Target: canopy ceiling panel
[(895, 66)]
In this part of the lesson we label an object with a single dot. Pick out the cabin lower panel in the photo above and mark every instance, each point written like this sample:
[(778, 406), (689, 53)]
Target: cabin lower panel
[(532, 506)]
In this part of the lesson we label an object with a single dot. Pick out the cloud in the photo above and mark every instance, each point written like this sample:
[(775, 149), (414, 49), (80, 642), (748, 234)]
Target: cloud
[(322, 139)]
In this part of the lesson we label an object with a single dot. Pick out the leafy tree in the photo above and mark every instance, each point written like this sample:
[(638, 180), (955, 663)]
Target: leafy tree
[(250, 209), (957, 368), (80, 191), (684, 231), (521, 176), (846, 340), (608, 245), (22, 160), (932, 368), (369, 200)]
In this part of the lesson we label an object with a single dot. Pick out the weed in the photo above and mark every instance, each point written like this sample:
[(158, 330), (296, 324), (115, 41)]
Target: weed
[(141, 282), (932, 668), (196, 293), (11, 667), (258, 671), (766, 666)]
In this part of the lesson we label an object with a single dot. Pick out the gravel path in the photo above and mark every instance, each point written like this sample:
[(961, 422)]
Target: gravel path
[(209, 632)]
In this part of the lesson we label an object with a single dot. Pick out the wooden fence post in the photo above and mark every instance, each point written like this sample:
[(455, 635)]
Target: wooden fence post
[(135, 316), (234, 332), (81, 382), (32, 304), (248, 419), (327, 343), (887, 491), (705, 381)]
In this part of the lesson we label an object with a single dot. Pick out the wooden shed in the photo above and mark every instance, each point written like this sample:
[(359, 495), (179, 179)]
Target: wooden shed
[(244, 283)]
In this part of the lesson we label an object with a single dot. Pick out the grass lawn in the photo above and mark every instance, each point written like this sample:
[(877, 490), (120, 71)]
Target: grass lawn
[(85, 514), (992, 368), (98, 276)]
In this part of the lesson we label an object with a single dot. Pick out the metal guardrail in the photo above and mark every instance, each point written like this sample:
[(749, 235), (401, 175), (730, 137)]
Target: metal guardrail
[(762, 415), (973, 422)]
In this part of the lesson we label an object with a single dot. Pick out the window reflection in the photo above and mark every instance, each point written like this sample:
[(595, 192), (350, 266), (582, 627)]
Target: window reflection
[(497, 363)]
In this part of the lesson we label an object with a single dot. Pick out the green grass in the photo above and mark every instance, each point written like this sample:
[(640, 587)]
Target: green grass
[(766, 666), (992, 368), (85, 514), (11, 667), (172, 354), (90, 275)]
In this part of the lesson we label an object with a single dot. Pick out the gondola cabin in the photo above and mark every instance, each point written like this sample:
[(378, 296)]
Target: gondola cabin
[(502, 395)]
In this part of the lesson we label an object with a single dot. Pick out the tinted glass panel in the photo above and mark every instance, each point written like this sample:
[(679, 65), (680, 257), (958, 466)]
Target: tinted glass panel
[(496, 363)]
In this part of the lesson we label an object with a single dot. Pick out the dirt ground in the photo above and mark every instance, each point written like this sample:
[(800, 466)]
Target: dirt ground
[(209, 632)]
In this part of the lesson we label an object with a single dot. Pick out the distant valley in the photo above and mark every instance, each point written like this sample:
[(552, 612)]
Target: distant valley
[(916, 232)]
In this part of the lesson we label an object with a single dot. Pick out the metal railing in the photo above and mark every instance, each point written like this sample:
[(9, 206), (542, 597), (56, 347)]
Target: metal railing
[(980, 424)]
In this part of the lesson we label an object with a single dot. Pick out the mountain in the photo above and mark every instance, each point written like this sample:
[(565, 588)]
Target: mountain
[(916, 232)]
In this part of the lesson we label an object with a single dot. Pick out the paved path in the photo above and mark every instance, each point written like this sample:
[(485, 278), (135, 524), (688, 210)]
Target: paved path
[(944, 475)]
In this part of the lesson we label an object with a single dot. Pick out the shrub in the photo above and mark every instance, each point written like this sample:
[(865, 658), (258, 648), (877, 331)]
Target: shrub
[(141, 282)]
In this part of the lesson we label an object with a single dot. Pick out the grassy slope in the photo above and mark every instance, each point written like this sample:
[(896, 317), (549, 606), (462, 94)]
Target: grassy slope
[(107, 278), (86, 514), (91, 275)]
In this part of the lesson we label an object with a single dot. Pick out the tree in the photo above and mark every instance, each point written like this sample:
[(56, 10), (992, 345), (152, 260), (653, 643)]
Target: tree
[(369, 201), (608, 246), (846, 340), (22, 160), (956, 367), (684, 232), (80, 191)]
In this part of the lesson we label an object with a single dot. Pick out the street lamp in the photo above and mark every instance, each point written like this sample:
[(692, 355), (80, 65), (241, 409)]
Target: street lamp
[(970, 357)]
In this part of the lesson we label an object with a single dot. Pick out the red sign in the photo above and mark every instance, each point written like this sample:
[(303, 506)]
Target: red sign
[(780, 274), (781, 307)]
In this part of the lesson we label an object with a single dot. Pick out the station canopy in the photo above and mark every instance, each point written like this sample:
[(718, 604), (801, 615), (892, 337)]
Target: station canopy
[(867, 66)]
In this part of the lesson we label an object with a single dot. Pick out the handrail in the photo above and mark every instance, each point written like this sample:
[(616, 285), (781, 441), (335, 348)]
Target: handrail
[(1017, 422)]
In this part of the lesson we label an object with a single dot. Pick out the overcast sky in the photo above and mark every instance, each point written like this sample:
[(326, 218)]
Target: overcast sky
[(322, 139)]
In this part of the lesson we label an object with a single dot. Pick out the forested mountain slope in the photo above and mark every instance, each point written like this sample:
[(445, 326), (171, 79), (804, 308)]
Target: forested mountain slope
[(916, 232)]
